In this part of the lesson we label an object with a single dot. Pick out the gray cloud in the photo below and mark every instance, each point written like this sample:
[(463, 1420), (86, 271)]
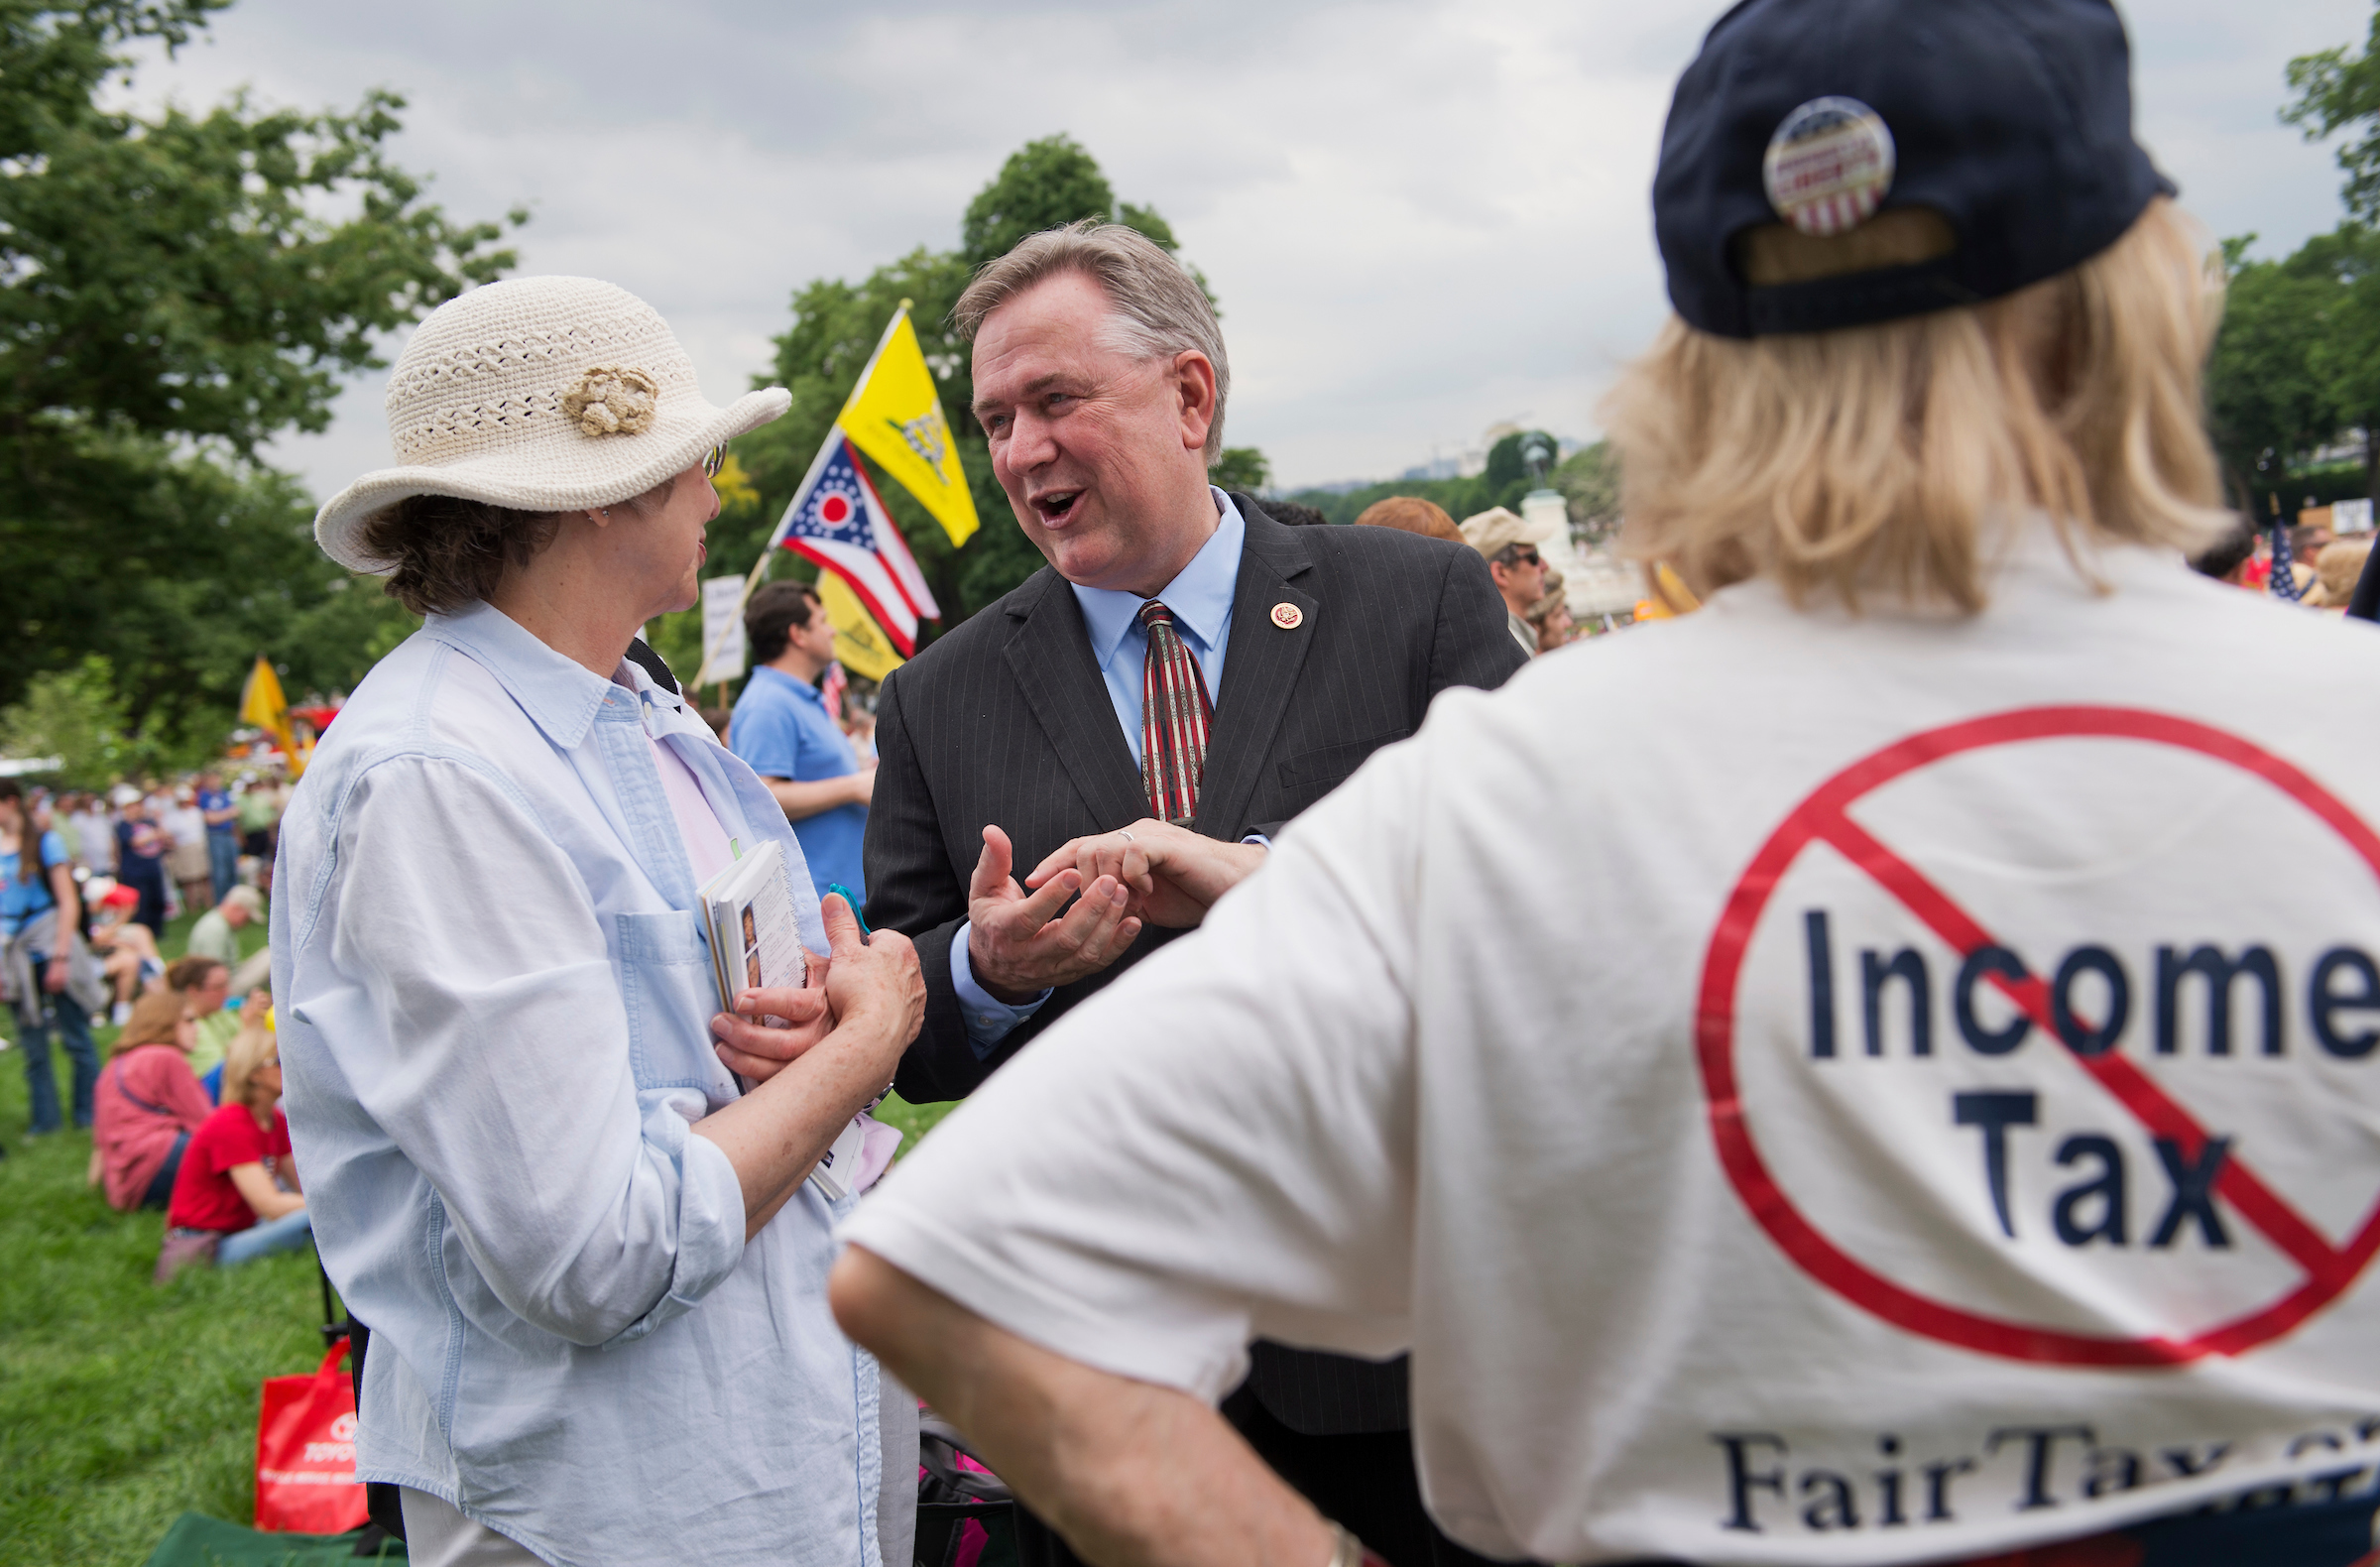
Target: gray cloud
[(1421, 216)]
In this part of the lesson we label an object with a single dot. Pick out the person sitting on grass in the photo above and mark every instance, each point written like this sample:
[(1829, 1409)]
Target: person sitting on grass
[(126, 948), (238, 1195), (205, 983), (150, 1105), (217, 933)]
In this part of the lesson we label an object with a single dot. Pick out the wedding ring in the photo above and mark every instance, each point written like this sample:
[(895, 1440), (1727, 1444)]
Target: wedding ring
[(1125, 834)]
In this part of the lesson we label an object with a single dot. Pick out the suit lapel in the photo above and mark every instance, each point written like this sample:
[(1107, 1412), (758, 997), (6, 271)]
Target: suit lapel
[(1050, 657), (1261, 669)]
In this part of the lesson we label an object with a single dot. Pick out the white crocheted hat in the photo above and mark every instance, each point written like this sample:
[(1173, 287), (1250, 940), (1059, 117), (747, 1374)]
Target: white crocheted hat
[(543, 395)]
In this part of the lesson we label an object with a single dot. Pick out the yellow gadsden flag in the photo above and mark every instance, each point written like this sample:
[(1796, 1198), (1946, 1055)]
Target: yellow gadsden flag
[(263, 705), (859, 640), (895, 416)]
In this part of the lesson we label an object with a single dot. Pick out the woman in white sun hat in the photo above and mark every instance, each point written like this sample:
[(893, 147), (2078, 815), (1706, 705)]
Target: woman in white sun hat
[(592, 1268)]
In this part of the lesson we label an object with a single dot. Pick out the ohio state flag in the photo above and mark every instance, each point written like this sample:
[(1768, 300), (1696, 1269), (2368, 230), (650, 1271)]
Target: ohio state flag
[(837, 520)]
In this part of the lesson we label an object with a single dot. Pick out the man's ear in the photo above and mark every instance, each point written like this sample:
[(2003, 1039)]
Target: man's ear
[(1194, 395)]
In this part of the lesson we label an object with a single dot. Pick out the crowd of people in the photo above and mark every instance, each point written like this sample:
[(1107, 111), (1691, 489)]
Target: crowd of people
[(1820, 1076), (183, 1109)]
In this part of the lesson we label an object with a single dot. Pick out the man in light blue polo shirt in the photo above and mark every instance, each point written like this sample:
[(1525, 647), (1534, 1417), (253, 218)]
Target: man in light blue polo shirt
[(781, 728)]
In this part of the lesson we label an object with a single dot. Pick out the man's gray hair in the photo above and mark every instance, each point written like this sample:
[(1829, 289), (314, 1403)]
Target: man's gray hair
[(1159, 309)]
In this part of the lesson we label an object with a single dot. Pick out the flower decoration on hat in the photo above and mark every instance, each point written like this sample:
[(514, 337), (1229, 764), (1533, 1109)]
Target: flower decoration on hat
[(612, 401)]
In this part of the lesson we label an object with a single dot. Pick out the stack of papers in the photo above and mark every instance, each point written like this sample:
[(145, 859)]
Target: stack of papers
[(754, 942), (757, 944)]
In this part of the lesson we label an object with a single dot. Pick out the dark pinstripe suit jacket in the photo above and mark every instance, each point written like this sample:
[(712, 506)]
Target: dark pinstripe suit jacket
[(1006, 720)]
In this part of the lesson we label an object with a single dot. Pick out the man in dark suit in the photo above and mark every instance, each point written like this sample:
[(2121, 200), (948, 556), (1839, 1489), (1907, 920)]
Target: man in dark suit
[(1186, 676)]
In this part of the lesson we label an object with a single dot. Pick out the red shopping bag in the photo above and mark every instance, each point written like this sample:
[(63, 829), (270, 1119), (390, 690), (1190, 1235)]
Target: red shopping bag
[(305, 1453)]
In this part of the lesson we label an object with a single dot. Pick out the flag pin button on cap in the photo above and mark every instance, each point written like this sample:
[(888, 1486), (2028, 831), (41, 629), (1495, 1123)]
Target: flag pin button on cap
[(1287, 616), (1829, 166)]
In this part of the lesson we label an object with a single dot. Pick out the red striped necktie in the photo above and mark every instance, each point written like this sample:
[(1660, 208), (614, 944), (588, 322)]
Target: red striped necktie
[(1175, 716)]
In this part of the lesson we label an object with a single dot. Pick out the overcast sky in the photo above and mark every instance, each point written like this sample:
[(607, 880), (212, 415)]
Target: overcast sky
[(1422, 216)]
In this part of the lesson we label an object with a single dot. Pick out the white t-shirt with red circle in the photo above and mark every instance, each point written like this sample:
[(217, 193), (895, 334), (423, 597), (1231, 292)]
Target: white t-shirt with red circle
[(1806, 1088)]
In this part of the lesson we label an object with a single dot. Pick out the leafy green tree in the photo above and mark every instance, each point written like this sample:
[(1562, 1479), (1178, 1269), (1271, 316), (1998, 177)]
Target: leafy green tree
[(1507, 470), (2345, 357), (172, 295), (2338, 89), (76, 716), (1240, 468), (1589, 480), (1046, 184), (1459, 498), (2265, 402)]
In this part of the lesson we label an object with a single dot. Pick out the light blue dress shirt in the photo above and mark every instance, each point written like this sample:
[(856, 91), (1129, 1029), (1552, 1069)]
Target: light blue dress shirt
[(1200, 596), (494, 1000), (781, 728)]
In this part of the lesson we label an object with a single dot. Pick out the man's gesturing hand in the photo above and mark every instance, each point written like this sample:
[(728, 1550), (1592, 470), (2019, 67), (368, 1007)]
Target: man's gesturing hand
[(1017, 945), (1173, 874)]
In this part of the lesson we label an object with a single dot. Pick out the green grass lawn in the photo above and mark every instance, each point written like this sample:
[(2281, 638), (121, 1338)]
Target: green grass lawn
[(123, 1405)]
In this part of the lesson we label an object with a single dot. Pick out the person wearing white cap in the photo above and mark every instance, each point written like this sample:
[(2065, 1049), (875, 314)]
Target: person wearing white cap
[(1510, 540), (590, 1264)]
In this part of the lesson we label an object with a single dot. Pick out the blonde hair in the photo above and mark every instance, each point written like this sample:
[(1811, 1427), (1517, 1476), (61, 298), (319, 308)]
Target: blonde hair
[(2337, 569), (1865, 459), (248, 1051)]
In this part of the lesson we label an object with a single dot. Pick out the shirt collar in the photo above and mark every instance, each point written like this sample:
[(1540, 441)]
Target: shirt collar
[(1200, 596), (766, 673), (560, 694)]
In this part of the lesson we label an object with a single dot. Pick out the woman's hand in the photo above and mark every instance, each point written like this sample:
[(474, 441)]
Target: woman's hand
[(757, 1051), (1171, 874), (874, 987), (875, 996)]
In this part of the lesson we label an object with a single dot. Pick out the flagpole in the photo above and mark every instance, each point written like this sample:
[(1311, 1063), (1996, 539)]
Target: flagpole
[(868, 369), (752, 580), (777, 535)]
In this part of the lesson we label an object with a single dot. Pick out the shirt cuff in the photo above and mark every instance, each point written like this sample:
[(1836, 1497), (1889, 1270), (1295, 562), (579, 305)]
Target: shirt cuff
[(1260, 840), (989, 1021)]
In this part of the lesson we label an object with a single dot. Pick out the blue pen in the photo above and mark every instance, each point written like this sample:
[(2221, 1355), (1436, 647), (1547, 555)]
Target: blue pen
[(853, 899)]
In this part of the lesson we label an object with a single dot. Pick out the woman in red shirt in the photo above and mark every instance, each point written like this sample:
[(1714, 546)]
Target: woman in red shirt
[(150, 1105), (237, 1195)]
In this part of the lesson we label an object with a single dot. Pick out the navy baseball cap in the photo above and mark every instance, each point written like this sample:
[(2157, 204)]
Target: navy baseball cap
[(2009, 120)]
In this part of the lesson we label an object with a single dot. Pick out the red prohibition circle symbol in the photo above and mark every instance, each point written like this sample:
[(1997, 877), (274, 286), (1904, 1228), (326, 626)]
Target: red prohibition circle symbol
[(1825, 817)]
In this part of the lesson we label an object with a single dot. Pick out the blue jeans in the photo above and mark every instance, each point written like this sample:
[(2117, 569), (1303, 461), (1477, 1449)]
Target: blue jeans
[(159, 1194), (223, 860), (73, 1026), (285, 1233)]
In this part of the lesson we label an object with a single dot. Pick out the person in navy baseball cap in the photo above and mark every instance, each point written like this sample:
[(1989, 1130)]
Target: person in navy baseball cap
[(1989, 142), (1924, 277)]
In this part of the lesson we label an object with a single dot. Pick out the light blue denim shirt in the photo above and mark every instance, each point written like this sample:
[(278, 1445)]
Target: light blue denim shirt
[(494, 1001)]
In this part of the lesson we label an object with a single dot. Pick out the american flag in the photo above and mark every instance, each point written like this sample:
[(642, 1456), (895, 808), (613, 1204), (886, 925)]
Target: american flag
[(2284, 582)]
